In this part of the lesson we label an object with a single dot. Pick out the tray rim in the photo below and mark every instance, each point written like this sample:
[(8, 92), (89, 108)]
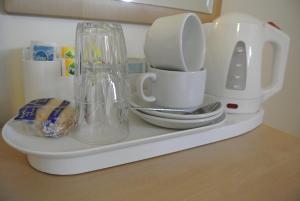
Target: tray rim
[(110, 147)]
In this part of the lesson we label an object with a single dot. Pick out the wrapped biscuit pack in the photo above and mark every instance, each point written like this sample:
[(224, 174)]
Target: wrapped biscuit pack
[(49, 117)]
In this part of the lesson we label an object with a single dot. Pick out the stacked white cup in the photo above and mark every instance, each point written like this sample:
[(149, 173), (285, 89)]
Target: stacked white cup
[(175, 49)]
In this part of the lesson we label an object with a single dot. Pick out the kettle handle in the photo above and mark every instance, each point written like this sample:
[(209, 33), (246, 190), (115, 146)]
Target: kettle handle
[(280, 43)]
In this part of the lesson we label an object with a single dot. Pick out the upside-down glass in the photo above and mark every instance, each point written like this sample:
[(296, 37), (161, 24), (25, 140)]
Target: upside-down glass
[(101, 89)]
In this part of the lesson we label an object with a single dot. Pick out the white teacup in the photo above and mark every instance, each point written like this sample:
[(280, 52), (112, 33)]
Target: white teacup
[(176, 43), (173, 89)]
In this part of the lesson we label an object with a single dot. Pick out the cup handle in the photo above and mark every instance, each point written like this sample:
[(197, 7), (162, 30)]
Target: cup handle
[(140, 86)]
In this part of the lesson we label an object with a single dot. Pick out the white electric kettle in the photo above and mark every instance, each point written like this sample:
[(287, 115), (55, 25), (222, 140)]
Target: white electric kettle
[(233, 61)]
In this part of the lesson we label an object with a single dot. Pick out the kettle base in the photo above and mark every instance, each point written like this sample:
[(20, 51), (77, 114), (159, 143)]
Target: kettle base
[(240, 106)]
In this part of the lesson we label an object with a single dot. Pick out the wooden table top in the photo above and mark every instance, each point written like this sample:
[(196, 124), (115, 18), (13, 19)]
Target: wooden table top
[(263, 164)]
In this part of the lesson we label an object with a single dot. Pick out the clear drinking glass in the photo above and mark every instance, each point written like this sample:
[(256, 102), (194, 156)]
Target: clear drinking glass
[(101, 89)]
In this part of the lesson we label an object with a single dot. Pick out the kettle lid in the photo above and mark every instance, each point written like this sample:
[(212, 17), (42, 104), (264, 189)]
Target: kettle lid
[(236, 17)]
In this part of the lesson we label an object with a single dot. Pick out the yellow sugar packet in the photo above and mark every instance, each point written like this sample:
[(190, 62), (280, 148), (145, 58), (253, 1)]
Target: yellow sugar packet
[(68, 52), (69, 67)]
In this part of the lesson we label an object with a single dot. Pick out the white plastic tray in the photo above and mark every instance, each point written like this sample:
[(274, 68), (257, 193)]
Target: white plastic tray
[(67, 156)]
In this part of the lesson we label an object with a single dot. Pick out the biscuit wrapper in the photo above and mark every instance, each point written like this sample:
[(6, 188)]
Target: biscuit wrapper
[(49, 117)]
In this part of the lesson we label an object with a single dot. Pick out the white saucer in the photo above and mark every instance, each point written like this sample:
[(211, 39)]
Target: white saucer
[(181, 123), (135, 101)]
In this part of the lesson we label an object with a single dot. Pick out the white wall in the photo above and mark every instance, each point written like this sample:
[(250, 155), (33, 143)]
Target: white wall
[(16, 32)]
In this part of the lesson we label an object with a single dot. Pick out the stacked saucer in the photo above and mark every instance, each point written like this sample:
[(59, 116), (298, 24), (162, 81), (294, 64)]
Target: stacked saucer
[(211, 112)]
